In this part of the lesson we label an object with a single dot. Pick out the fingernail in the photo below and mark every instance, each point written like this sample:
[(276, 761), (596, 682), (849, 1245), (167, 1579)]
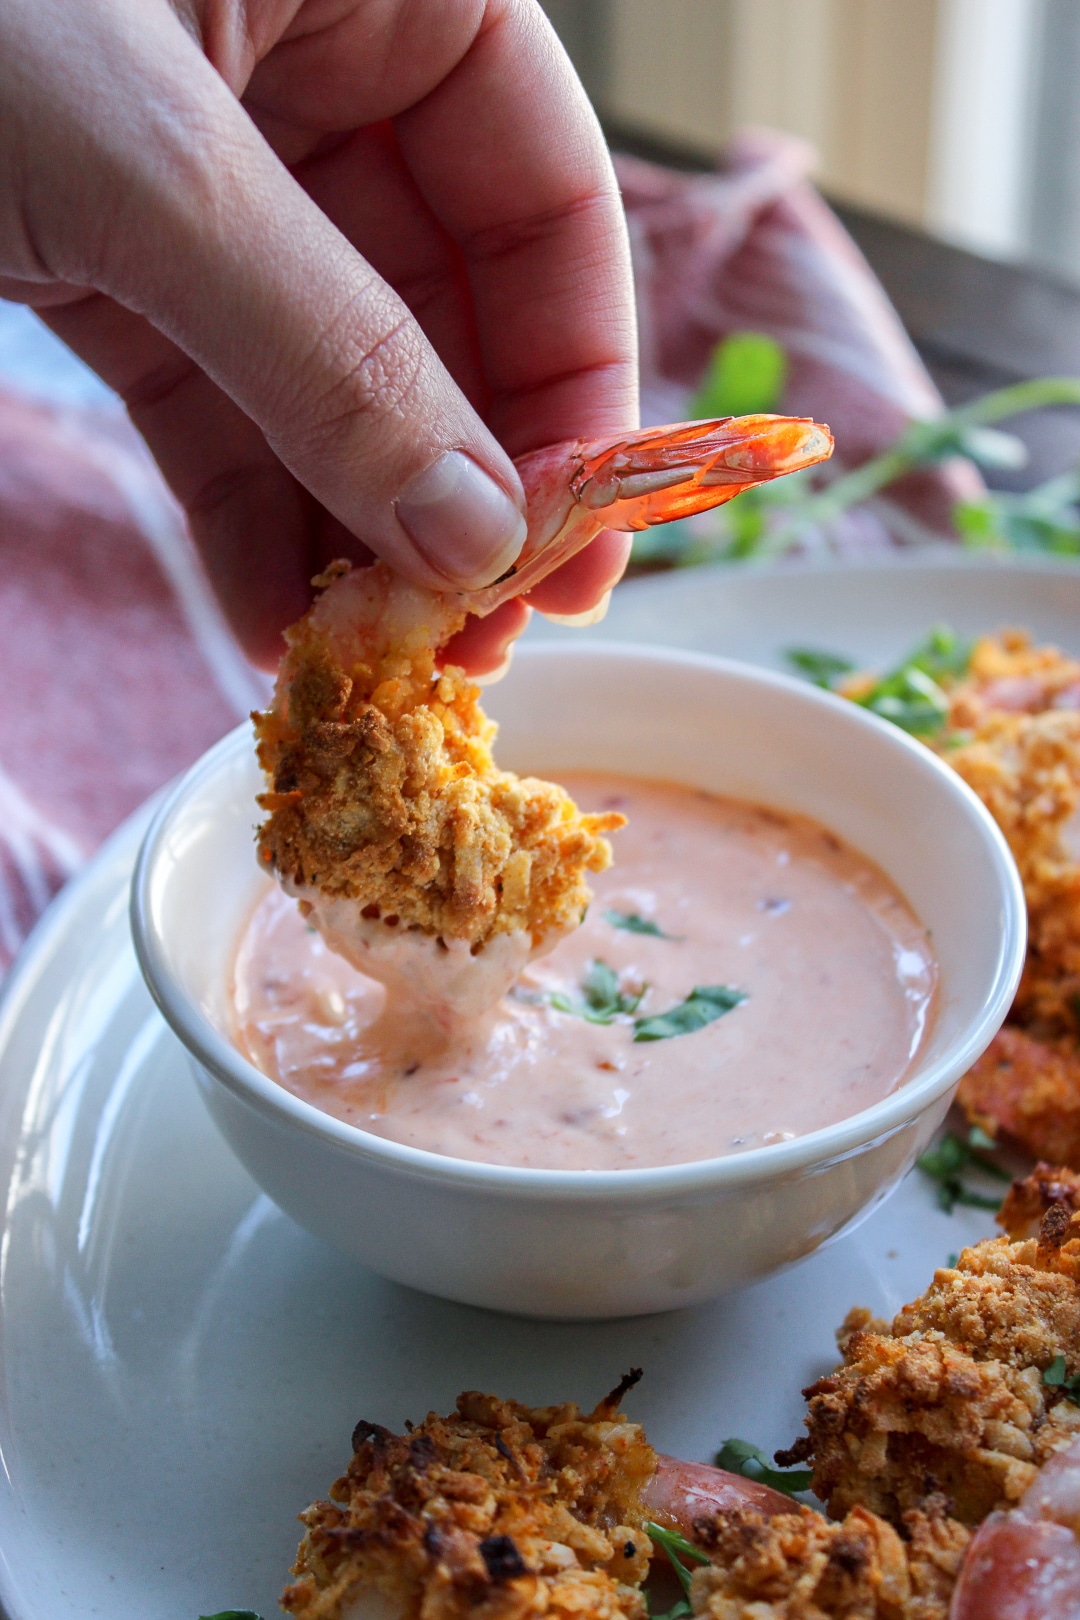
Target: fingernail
[(461, 521), (580, 621)]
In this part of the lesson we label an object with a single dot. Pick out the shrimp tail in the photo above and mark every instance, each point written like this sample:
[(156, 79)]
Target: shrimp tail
[(580, 487), (679, 1494)]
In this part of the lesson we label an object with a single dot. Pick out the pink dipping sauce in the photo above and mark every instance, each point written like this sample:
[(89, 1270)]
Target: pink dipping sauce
[(838, 975)]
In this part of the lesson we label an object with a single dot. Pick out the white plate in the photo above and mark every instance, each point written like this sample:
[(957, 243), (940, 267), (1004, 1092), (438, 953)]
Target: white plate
[(182, 1366)]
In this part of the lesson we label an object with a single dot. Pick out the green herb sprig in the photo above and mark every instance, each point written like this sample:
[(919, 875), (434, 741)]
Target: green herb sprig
[(602, 1001), (704, 1004), (676, 1547), (783, 515), (947, 1163), (820, 667), (910, 699), (1046, 519), (745, 376), (631, 923), (1054, 1377), (913, 693), (740, 1457)]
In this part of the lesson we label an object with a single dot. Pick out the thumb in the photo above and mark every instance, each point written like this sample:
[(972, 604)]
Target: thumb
[(213, 241)]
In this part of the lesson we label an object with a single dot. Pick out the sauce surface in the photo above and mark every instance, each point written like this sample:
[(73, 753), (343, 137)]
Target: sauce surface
[(838, 976)]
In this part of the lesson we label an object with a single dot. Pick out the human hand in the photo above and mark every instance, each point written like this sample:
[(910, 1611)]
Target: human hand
[(317, 246)]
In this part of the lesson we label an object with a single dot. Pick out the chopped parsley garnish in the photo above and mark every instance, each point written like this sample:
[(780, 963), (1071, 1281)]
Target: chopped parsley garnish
[(911, 699), (912, 694), (1054, 1376), (705, 1003), (953, 1155), (677, 1548), (942, 654), (633, 924), (823, 668), (678, 1611), (602, 1000), (740, 1457)]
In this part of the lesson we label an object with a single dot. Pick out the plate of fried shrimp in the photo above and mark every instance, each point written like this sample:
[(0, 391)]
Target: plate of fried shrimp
[(185, 1371)]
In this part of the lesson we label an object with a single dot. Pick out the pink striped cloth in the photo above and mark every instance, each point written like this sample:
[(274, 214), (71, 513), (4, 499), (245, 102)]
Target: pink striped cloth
[(755, 248), (116, 670), (115, 667)]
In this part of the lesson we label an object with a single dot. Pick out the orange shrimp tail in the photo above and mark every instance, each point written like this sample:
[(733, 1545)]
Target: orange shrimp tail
[(580, 487), (664, 473)]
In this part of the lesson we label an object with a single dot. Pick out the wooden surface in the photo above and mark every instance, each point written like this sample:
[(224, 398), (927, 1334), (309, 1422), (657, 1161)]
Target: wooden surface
[(978, 323)]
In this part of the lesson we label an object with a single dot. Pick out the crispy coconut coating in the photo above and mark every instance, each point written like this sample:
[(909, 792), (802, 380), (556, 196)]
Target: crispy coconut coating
[(496, 1511), (1014, 736), (1029, 1089), (1049, 1187), (798, 1566), (383, 788), (950, 1396), (1018, 717)]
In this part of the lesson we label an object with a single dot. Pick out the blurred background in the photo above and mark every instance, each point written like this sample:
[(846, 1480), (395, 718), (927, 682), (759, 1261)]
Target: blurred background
[(947, 138), (959, 117)]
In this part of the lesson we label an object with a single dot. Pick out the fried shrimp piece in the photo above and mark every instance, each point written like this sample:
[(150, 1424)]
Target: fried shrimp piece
[(385, 795), (417, 858), (1028, 1202), (799, 1566), (1014, 736), (1030, 1090), (496, 1510), (500, 1510), (1025, 1565), (1007, 673), (950, 1395)]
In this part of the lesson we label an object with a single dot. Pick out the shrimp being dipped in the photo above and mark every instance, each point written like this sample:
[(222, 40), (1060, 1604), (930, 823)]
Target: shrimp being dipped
[(420, 861)]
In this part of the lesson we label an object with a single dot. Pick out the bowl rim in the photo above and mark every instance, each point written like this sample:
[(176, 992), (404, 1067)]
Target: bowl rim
[(778, 1161)]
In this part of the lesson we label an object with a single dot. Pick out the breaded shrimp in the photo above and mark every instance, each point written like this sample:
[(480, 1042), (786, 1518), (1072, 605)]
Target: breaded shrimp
[(1014, 736), (417, 858), (504, 1511), (799, 1566), (1025, 1565), (1030, 1090), (1012, 732), (950, 1397)]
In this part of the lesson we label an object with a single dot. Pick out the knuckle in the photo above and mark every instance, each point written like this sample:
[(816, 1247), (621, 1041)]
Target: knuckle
[(362, 380)]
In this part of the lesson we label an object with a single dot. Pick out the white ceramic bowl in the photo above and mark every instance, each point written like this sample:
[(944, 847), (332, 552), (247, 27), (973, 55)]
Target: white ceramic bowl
[(605, 1243)]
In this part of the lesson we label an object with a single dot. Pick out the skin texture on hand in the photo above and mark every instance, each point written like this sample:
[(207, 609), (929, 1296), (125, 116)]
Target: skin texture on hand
[(316, 245)]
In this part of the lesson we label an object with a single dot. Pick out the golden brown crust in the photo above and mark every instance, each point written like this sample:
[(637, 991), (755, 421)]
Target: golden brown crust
[(1030, 1200), (496, 1511), (383, 788), (1013, 734), (1029, 1090), (798, 1566), (1017, 718), (950, 1396)]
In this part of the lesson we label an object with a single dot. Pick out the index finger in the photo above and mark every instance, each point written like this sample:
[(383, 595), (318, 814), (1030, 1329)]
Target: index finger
[(511, 160)]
